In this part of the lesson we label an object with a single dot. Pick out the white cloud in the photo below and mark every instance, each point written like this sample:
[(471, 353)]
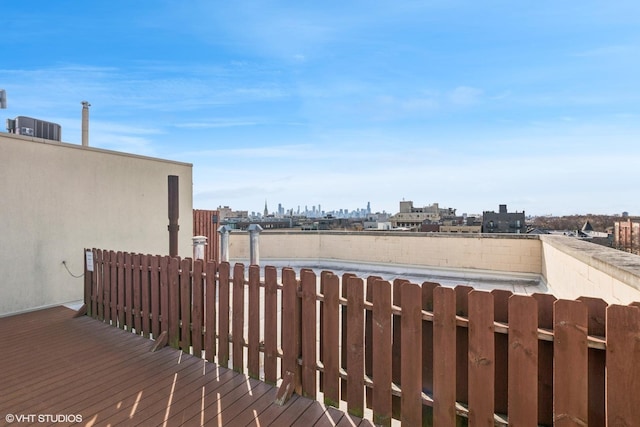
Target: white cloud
[(217, 123), (604, 51), (465, 95)]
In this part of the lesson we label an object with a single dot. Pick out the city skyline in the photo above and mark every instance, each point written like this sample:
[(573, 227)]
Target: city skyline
[(463, 104), (369, 208)]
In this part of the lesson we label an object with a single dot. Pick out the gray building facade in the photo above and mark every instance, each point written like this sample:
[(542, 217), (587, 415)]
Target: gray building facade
[(503, 221)]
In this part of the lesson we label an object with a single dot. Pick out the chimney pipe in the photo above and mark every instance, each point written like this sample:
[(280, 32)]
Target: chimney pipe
[(174, 213), (85, 123)]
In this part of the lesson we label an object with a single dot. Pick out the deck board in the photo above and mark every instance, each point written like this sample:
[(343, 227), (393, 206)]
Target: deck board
[(56, 364)]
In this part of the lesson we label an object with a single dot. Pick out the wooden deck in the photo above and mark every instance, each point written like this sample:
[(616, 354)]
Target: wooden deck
[(54, 364)]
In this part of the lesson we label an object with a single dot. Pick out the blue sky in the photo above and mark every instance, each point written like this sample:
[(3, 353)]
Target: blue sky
[(464, 103)]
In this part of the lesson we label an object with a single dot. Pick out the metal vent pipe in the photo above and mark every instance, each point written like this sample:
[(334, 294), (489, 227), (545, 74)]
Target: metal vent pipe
[(85, 123)]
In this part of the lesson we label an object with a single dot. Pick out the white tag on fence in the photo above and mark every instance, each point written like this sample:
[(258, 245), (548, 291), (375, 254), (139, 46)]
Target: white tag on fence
[(89, 257)]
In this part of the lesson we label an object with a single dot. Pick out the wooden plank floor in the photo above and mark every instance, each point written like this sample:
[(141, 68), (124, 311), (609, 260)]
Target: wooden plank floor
[(54, 364)]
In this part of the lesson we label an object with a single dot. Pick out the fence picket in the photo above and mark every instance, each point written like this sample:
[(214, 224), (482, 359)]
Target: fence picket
[(323, 273), (462, 344), (164, 294), (253, 352), (481, 359), (154, 266), (136, 293), (97, 275), (368, 332), (185, 305), (501, 366), (88, 277), (210, 312), (345, 329), (145, 297), (128, 291), (623, 359), (224, 274), (396, 349), (94, 285), (570, 373), (174, 302), (427, 345), (197, 309), (545, 360), (291, 328), (308, 333), (113, 288), (381, 357), (597, 309), (444, 365), (106, 297), (411, 322), (121, 286), (523, 361), (270, 325), (237, 318), (330, 339), (355, 342)]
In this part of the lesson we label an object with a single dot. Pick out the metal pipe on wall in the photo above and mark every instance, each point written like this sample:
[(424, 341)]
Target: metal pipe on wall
[(174, 213), (85, 123)]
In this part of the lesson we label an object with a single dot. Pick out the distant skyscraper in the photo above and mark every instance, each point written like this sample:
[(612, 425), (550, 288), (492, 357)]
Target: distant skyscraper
[(266, 211), (368, 208)]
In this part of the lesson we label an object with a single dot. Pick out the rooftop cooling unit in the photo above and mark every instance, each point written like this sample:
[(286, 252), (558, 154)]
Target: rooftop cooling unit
[(36, 128)]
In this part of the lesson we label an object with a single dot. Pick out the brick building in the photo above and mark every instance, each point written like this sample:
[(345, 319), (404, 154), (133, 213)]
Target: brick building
[(626, 235)]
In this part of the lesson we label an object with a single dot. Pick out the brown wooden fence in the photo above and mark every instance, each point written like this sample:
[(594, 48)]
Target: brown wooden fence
[(423, 354), (205, 223)]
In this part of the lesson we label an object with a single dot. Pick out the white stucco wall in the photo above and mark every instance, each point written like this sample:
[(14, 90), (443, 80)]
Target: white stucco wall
[(570, 267), (498, 253), (60, 198), (575, 268)]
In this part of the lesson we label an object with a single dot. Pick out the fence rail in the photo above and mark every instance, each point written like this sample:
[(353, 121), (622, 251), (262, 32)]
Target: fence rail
[(423, 354)]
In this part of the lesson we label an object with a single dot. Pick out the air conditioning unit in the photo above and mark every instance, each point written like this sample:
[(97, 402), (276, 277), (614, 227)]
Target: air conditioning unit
[(26, 131), (29, 126)]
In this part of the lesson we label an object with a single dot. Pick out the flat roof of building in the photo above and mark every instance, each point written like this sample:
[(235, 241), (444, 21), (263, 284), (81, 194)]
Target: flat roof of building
[(518, 283)]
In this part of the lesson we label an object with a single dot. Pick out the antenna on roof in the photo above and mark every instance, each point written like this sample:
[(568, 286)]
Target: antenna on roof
[(3, 99)]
